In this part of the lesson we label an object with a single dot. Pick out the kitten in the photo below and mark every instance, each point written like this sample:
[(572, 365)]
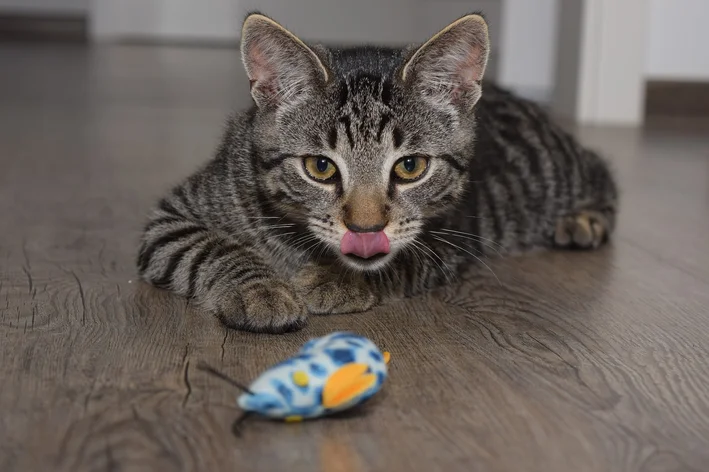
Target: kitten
[(367, 173)]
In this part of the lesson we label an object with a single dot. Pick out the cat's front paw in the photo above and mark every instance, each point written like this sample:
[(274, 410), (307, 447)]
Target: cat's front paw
[(584, 230), (328, 293), (268, 306)]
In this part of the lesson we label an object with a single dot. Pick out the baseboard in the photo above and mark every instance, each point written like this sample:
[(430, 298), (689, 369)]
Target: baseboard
[(677, 99), (28, 27)]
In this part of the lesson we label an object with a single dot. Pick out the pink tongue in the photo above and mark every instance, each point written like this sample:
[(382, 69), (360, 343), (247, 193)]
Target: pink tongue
[(364, 245)]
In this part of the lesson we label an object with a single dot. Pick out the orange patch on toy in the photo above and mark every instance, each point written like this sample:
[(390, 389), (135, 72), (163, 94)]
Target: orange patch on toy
[(346, 384)]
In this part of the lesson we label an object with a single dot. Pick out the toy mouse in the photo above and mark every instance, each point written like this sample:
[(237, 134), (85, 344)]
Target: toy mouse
[(328, 375)]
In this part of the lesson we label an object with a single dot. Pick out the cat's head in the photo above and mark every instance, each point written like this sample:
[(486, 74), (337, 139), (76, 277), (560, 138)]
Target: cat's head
[(364, 145)]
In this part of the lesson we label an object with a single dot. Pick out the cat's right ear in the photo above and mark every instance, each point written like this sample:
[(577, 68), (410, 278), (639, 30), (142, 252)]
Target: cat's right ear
[(280, 67), (448, 68)]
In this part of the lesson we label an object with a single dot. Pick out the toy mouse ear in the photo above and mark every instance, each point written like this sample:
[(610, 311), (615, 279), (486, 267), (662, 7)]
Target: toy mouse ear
[(448, 69), (281, 67)]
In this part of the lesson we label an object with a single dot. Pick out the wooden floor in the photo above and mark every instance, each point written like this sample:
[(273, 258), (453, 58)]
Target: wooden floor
[(573, 362)]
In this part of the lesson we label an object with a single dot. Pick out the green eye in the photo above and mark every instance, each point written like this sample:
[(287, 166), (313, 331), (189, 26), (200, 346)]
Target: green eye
[(410, 168), (320, 168)]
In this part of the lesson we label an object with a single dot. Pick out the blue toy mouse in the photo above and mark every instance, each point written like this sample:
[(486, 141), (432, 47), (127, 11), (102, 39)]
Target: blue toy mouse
[(328, 375)]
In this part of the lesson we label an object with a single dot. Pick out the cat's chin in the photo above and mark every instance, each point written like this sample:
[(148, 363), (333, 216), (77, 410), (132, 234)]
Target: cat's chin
[(372, 264)]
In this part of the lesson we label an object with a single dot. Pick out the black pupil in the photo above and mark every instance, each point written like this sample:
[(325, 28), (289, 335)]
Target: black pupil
[(410, 164), (321, 165)]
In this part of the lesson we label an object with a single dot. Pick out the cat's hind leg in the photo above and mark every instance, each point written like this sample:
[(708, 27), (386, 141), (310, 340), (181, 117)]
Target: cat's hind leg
[(586, 229)]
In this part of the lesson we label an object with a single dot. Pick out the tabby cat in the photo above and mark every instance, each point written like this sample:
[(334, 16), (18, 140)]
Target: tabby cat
[(367, 173)]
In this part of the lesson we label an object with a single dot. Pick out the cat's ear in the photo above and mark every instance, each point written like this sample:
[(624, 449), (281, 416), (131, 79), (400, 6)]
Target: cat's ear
[(449, 67), (280, 67)]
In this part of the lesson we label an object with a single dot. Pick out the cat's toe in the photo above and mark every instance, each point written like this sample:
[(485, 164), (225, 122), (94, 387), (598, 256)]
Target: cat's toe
[(585, 230), (267, 307), (332, 298)]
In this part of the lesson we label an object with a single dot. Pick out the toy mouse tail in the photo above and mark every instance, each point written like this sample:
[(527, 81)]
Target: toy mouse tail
[(203, 366)]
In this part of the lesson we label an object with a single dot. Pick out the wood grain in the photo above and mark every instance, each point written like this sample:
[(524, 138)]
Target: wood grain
[(573, 361)]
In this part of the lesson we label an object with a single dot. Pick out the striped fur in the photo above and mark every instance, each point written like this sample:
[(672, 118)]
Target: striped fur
[(255, 241)]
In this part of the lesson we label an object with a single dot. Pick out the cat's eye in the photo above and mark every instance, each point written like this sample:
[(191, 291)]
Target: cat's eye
[(410, 168), (320, 168)]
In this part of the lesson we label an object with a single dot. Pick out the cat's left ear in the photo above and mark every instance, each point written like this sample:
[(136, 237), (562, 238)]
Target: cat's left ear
[(280, 67), (448, 69)]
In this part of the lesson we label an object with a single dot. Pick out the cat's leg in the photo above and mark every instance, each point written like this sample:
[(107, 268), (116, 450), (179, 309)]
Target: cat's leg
[(591, 221), (224, 275), (587, 229), (327, 291)]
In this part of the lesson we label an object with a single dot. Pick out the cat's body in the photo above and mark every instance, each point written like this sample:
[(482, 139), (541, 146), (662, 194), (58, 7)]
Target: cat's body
[(253, 235)]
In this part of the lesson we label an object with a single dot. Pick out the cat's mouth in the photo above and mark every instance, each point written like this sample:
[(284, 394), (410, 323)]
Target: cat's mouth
[(369, 264), (365, 251)]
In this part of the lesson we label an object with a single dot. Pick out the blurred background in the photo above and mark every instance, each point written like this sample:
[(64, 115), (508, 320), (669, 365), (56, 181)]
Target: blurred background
[(593, 61)]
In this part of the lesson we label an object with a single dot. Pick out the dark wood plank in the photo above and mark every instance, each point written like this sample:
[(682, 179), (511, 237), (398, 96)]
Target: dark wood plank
[(43, 27), (573, 361), (677, 98)]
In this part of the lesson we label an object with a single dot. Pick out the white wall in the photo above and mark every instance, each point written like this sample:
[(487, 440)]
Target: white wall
[(678, 40), (343, 21), (522, 32), (528, 46), (45, 6), (433, 15), (212, 20), (600, 63)]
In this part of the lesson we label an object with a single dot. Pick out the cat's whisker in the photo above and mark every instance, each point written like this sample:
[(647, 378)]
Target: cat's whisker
[(303, 241), (492, 241), (280, 235), (313, 247), (473, 237), (468, 252), (413, 250), (427, 251)]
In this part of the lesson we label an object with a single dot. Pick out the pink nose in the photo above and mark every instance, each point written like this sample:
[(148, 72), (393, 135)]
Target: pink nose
[(364, 245)]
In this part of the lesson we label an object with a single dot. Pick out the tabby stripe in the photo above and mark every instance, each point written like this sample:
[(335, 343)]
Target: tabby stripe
[(179, 193), (260, 275), (564, 168), (345, 120), (293, 193), (235, 271), (343, 94), (239, 275), (386, 92), (173, 236), (442, 198), (473, 224), (332, 137), (453, 162), (544, 135), (197, 262), (165, 220), (398, 137), (224, 250), (176, 257), (504, 139), (382, 124), (268, 164), (168, 208), (492, 208)]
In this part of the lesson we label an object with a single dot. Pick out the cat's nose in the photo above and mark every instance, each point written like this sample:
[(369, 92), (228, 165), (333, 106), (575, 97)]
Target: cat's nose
[(365, 215), (365, 229)]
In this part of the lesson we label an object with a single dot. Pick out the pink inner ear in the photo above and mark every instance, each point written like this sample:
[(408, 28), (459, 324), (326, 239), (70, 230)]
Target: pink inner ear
[(261, 72), (470, 70)]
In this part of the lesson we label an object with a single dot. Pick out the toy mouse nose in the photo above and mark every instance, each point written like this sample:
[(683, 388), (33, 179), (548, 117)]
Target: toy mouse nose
[(258, 402)]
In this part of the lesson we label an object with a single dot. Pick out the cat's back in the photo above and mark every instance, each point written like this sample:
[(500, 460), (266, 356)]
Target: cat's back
[(509, 126)]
